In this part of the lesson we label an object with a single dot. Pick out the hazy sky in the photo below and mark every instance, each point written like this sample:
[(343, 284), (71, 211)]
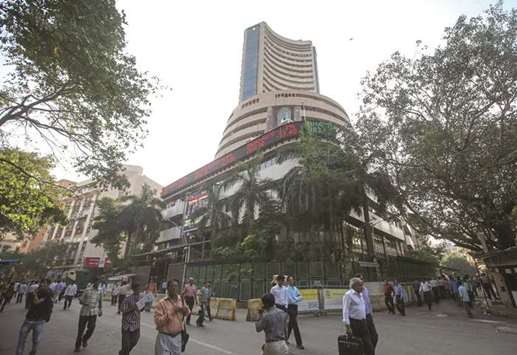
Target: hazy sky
[(195, 48)]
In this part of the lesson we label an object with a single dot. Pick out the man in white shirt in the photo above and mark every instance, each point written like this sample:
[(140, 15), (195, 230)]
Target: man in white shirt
[(426, 290), (279, 291), (70, 292), (354, 315)]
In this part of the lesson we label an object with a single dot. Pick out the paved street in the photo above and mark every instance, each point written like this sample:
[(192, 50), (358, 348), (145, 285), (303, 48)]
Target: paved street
[(445, 331)]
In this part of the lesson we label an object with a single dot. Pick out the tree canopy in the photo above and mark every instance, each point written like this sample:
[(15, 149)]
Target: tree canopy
[(28, 193), (70, 84), (445, 124)]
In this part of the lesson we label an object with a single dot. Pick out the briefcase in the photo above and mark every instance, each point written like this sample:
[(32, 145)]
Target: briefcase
[(349, 345)]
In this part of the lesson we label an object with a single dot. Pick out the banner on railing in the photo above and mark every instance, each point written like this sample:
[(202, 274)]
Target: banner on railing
[(310, 301)]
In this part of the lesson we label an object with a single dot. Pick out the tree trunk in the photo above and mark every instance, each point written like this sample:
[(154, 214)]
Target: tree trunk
[(367, 228), (128, 244)]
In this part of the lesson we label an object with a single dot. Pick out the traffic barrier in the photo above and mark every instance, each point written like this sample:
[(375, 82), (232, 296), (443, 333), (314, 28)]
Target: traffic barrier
[(254, 306), (214, 302), (311, 301), (226, 308), (333, 298)]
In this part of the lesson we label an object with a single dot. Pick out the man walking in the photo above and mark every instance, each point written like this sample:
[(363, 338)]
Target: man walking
[(426, 291), (388, 297), (354, 315), (400, 295), (130, 320), (60, 290), (204, 297), (91, 302), (70, 292), (114, 294), (416, 290), (22, 289), (369, 315), (465, 298), (279, 292), (122, 293), (273, 322), (294, 297), (169, 313), (189, 294), (40, 309)]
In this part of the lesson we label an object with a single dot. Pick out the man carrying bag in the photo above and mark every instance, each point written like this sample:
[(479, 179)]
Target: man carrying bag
[(169, 316)]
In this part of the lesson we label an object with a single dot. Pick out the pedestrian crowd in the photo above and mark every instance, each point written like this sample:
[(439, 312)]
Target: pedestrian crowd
[(278, 318)]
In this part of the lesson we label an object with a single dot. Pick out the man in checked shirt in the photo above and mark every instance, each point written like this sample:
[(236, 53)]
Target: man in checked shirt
[(130, 320)]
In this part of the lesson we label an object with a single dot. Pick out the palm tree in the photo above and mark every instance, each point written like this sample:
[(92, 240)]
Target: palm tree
[(140, 218), (252, 193), (213, 215), (109, 233)]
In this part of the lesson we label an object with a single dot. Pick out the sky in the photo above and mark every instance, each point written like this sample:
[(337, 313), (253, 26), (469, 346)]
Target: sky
[(195, 48)]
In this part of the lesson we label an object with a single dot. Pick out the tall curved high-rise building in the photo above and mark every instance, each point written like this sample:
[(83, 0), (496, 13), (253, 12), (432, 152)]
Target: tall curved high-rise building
[(279, 84), (271, 62)]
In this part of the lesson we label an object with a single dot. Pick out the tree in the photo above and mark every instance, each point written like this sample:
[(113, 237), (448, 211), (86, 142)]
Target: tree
[(459, 262), (252, 192), (446, 123), (38, 262), (140, 219), (109, 231), (71, 85), (28, 194), (213, 215)]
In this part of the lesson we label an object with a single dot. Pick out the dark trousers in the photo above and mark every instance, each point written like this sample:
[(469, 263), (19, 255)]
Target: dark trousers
[(371, 328), (121, 299), (428, 298), (468, 307), (88, 323), (189, 300), (418, 298), (68, 301), (19, 298), (129, 340), (489, 291), (436, 295), (401, 307), (114, 300), (388, 300), (208, 312), (292, 311), (201, 315), (360, 329), (5, 301)]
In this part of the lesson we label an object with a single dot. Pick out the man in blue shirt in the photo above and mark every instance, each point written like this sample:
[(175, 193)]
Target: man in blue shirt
[(400, 295), (465, 298), (294, 297), (369, 318)]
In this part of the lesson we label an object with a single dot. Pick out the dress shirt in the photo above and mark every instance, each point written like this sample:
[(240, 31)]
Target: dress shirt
[(280, 293), (353, 306), (367, 303), (293, 295), (399, 291), (204, 295), (168, 315), (190, 291), (71, 290), (464, 294), (273, 323), (90, 300), (130, 313), (425, 287)]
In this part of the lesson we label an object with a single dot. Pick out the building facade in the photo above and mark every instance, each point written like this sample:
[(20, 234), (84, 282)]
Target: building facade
[(80, 209), (279, 94)]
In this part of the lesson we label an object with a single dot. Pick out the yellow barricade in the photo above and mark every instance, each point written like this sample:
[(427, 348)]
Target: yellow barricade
[(226, 308), (254, 305)]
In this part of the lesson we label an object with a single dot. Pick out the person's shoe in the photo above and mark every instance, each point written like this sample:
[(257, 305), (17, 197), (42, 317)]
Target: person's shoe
[(76, 350), (32, 352), (301, 347), (85, 343)]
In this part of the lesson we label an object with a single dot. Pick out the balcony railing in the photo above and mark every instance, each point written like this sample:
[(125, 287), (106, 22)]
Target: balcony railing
[(174, 210), (169, 234)]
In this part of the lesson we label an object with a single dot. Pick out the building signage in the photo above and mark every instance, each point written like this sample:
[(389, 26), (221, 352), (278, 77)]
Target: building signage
[(96, 262), (288, 131)]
